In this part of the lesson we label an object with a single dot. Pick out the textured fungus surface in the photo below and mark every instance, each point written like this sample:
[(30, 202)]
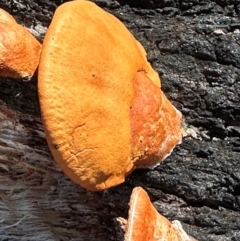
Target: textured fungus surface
[(89, 79)]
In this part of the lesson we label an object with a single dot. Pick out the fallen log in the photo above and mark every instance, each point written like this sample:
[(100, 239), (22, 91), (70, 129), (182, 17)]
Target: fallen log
[(195, 49)]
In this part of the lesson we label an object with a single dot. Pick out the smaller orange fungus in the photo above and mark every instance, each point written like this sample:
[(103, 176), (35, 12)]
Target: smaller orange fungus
[(19, 50), (145, 223)]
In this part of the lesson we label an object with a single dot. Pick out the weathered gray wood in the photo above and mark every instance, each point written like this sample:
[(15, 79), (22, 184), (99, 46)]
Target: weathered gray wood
[(195, 48), (37, 201)]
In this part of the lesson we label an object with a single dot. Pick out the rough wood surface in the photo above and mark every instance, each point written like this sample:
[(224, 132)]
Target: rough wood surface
[(194, 45)]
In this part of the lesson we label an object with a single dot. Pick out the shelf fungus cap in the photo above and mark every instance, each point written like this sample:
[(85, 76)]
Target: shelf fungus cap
[(145, 223), (103, 112), (19, 50)]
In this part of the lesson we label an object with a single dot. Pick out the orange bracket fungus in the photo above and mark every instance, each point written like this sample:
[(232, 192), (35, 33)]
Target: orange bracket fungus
[(19, 50), (103, 112), (145, 223)]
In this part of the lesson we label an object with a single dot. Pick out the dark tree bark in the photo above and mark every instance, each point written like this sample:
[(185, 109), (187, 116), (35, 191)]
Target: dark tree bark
[(194, 46)]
